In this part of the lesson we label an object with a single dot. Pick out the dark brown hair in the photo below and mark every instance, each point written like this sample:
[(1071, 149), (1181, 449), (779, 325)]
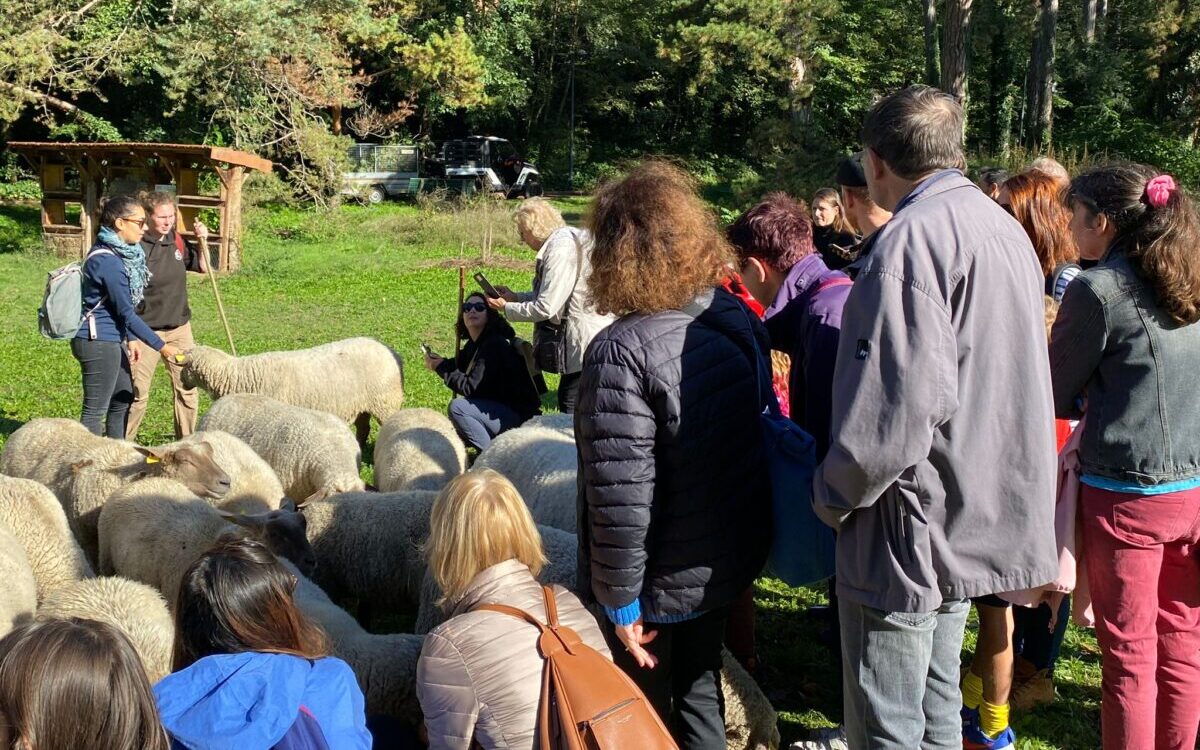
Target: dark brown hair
[(239, 598), (75, 684), (777, 231), (496, 323), (657, 245), (916, 131), (1162, 244), (1035, 198)]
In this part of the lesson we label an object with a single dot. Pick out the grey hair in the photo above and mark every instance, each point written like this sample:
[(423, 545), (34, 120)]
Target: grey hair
[(916, 131)]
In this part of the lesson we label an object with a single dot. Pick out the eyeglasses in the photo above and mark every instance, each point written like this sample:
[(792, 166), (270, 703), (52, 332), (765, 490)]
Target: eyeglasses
[(140, 222), (474, 307)]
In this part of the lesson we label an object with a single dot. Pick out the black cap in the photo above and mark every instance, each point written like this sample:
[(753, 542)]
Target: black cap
[(850, 171)]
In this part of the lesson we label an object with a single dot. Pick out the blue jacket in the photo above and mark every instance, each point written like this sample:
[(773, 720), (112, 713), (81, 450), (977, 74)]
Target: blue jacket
[(257, 701), (116, 320), (804, 322)]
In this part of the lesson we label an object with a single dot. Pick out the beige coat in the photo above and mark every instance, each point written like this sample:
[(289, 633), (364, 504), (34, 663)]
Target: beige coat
[(479, 676)]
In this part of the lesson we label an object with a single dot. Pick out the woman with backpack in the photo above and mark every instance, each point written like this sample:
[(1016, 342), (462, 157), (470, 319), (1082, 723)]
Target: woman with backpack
[(114, 282), (251, 671), (1124, 352), (1033, 199), (479, 678), (490, 378)]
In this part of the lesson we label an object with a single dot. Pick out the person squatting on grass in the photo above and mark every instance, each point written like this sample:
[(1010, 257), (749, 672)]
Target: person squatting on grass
[(668, 429), (560, 290), (114, 282), (942, 442), (494, 390), (1124, 354), (165, 309)]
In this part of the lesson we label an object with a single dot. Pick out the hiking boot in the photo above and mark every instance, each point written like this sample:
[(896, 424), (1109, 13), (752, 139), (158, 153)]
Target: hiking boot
[(975, 739), (823, 739), (1038, 690)]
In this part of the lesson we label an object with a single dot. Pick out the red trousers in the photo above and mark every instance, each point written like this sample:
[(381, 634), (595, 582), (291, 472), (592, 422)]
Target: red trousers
[(1143, 567)]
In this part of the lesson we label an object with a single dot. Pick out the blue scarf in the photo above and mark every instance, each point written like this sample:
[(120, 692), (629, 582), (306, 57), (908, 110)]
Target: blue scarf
[(134, 258)]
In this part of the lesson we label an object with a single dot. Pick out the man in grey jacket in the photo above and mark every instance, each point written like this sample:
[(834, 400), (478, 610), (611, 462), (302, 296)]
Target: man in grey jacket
[(940, 474)]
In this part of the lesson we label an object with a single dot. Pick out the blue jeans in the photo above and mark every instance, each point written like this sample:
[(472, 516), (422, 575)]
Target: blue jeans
[(1032, 638), (900, 675), (478, 420)]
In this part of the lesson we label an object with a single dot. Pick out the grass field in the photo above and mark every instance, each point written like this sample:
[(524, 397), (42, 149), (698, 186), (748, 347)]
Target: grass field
[(310, 278)]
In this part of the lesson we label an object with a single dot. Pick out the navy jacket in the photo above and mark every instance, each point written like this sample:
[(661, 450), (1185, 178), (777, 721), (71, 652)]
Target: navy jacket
[(256, 701), (116, 320), (804, 322), (493, 370), (676, 503)]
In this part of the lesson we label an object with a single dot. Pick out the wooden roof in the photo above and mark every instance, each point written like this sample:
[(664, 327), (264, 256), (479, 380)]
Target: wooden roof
[(210, 153)]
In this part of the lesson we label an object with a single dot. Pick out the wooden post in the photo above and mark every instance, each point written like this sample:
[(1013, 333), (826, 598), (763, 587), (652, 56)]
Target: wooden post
[(231, 224), (89, 216)]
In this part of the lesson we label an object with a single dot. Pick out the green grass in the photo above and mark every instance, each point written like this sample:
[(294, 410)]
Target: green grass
[(310, 278)]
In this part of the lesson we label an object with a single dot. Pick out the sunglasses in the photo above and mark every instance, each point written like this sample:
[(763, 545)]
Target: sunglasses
[(474, 307), (139, 222)]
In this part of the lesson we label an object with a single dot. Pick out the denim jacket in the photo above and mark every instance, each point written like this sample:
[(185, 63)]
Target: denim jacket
[(1113, 345)]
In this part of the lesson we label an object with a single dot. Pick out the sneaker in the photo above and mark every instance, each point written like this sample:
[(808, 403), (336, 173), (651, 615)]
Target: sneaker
[(1037, 690), (823, 739), (975, 739)]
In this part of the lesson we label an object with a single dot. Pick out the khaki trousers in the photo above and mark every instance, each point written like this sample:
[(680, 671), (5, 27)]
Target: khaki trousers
[(186, 401)]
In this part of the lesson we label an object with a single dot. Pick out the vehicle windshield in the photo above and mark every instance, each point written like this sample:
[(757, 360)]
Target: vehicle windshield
[(502, 150)]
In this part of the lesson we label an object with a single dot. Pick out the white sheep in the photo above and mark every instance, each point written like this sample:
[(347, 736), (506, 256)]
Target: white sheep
[(134, 608), (541, 462), (153, 530), (18, 595), (44, 449), (355, 379), (253, 484), (313, 453), (417, 449), (385, 665), (368, 546), (34, 516), (564, 423)]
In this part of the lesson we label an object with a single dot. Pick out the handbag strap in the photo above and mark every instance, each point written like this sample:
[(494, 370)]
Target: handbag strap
[(548, 599), (772, 404)]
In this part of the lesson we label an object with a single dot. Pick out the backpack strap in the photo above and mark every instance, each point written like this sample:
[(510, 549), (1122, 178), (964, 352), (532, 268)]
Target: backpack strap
[(835, 281)]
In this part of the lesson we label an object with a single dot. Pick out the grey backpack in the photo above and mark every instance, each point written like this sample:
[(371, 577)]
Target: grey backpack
[(61, 312)]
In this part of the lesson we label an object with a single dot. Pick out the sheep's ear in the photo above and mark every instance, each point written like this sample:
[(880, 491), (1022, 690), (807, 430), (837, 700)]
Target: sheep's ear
[(154, 455), (244, 520), (320, 494), (79, 466)]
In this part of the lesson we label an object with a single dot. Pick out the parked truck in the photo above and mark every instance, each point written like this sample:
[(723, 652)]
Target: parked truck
[(467, 166)]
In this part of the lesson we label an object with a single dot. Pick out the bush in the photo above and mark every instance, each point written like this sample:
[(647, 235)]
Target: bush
[(22, 190)]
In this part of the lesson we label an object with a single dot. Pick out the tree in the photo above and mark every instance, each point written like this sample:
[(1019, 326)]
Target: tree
[(932, 73), (956, 33), (1041, 78)]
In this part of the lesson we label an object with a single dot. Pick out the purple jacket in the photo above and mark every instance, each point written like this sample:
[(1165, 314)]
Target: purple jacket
[(805, 321)]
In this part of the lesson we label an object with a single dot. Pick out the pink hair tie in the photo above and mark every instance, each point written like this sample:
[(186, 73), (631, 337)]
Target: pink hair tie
[(1159, 189)]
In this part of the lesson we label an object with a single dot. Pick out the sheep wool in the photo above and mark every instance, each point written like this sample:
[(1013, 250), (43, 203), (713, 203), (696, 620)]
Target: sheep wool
[(348, 378), (44, 449), (36, 519), (18, 595), (313, 453), (417, 449), (541, 462), (134, 608), (253, 484)]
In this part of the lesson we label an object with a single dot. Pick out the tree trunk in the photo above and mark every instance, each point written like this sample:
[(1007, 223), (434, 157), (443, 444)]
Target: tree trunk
[(335, 116), (1041, 76), (1090, 8), (932, 74), (1033, 92), (956, 30), (32, 96)]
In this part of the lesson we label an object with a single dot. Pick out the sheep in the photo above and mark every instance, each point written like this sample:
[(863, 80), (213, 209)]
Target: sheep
[(541, 461), (368, 546), (417, 449), (385, 665), (43, 450), (102, 471), (253, 485), (564, 423), (136, 609), (153, 530), (314, 453), (354, 379), (36, 519), (18, 595)]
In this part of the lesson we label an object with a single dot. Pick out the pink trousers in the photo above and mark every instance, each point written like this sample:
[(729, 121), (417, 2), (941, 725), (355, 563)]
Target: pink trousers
[(1143, 567)]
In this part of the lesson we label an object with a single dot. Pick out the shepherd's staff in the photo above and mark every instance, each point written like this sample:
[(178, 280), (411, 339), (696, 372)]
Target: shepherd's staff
[(462, 289), (216, 292)]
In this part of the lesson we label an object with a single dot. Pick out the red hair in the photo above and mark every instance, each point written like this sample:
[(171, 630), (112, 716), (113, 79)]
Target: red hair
[(1036, 202), (777, 231)]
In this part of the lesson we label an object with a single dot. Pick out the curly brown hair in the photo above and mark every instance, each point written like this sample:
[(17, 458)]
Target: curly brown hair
[(657, 245), (1035, 200)]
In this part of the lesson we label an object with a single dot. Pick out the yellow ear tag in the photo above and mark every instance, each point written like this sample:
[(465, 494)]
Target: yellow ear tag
[(151, 460)]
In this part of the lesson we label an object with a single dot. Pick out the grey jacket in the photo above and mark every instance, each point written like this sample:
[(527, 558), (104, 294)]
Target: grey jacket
[(479, 675), (560, 292), (1113, 343), (941, 468)]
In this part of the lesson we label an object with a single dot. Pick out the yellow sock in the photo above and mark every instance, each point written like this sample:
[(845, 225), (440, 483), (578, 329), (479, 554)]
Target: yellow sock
[(993, 719), (972, 690)]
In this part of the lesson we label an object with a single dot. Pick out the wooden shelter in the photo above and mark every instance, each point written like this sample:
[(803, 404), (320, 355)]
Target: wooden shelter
[(74, 176)]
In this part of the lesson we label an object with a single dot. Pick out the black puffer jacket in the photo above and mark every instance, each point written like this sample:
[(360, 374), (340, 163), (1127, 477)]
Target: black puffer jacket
[(675, 501)]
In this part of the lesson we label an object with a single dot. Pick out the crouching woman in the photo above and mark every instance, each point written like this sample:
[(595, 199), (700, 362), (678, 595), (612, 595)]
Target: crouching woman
[(479, 676)]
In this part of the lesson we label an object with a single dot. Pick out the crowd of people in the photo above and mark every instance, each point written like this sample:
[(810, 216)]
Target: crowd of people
[(996, 378)]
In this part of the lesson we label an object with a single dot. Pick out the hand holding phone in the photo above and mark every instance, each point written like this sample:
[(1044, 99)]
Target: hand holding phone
[(486, 286)]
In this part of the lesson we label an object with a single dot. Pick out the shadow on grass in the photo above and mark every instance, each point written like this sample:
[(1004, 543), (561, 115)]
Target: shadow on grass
[(20, 227), (8, 425)]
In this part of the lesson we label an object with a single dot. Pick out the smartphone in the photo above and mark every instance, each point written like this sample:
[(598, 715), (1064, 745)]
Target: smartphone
[(486, 286)]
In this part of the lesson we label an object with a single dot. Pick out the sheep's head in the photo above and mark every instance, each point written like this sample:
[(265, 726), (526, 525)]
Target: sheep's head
[(191, 465), (187, 376), (283, 531)]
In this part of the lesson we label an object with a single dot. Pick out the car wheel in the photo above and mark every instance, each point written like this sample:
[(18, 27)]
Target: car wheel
[(376, 195), (533, 189)]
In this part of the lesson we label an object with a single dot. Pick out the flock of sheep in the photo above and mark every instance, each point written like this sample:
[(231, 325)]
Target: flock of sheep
[(275, 459)]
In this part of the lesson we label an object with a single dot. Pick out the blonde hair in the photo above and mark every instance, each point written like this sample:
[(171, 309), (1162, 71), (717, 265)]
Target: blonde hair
[(537, 217), (1051, 314), (479, 520)]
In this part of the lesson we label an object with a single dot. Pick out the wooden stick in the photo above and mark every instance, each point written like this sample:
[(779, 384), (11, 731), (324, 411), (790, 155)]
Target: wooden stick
[(462, 290), (217, 293)]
